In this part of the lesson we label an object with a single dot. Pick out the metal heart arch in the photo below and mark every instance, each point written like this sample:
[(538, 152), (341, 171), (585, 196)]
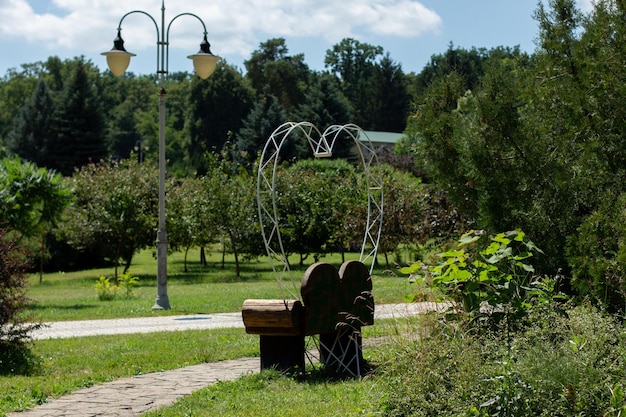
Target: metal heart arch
[(322, 145)]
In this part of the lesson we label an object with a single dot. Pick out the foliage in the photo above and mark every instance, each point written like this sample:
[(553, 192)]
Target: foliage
[(124, 284), (264, 117), (106, 289), (272, 71), (535, 144), (480, 272), (403, 206), (32, 125), (231, 203), (325, 105), (76, 134), (31, 198), (354, 63), (597, 255), (389, 97), (15, 326), (216, 109), (115, 209), (190, 217), (564, 363), (312, 212)]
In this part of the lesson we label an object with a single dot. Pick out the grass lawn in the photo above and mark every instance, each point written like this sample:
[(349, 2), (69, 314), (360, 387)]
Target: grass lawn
[(202, 289)]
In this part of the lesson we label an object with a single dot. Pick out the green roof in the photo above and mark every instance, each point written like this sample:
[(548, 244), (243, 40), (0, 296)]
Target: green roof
[(380, 137)]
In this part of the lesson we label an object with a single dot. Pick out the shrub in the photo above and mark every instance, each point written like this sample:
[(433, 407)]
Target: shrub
[(568, 362), (597, 255), (108, 290), (15, 326), (488, 276)]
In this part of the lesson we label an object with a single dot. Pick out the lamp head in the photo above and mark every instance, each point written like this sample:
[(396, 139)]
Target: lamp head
[(204, 62), (118, 58)]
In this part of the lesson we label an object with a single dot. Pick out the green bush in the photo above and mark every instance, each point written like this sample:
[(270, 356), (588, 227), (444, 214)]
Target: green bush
[(597, 255), (487, 276), (108, 290), (568, 363), (15, 326)]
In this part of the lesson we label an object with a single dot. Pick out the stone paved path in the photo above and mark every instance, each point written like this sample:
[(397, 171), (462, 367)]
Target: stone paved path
[(139, 394)]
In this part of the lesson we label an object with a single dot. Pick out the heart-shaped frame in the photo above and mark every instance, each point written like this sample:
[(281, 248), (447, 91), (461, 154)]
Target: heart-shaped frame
[(322, 145)]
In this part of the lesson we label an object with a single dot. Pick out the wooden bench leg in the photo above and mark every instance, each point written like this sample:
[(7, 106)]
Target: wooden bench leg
[(284, 353)]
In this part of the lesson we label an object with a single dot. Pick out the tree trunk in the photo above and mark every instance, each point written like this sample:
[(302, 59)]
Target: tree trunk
[(234, 246)]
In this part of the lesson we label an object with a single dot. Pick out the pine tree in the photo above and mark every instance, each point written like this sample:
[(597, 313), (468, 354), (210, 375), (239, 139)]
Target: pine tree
[(216, 109), (389, 102), (266, 115), (31, 126), (77, 137)]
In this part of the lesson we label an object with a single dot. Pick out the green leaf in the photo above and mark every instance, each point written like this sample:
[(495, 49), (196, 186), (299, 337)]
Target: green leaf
[(453, 254), (408, 270)]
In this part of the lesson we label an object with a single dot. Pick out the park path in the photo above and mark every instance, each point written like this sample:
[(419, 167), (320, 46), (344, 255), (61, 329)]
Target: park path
[(135, 395)]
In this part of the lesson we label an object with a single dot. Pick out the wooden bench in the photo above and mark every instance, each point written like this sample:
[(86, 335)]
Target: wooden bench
[(336, 305), (279, 324)]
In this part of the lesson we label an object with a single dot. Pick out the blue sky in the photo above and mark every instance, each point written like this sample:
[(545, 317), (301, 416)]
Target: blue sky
[(411, 31)]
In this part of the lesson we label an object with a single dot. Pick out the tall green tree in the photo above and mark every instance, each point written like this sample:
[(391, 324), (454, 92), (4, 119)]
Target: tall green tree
[(389, 98), (127, 101), (77, 136), (325, 104), (32, 125), (354, 62), (217, 107), (272, 71), (266, 115)]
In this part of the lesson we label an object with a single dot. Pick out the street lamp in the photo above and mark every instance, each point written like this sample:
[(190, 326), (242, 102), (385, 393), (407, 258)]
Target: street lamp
[(204, 63)]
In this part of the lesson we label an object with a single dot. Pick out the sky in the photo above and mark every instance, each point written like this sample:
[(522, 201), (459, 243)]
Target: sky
[(411, 31)]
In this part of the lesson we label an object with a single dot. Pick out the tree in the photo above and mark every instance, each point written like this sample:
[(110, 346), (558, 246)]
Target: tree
[(15, 88), (231, 200), (325, 104), (315, 199), (127, 101), (354, 62), (115, 209), (217, 107), (32, 125), (31, 201), (389, 97), (404, 209), (272, 71), (189, 216), (77, 137), (266, 115)]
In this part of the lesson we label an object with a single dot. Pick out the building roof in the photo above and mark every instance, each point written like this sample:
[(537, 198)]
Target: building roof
[(380, 137)]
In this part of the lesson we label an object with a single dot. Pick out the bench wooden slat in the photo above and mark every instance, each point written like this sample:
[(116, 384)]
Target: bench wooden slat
[(272, 317)]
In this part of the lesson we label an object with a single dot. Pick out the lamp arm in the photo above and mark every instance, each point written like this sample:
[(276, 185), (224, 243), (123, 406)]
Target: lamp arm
[(156, 26), (167, 34)]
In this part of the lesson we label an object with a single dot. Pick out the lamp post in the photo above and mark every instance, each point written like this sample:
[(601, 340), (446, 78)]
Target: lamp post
[(204, 63)]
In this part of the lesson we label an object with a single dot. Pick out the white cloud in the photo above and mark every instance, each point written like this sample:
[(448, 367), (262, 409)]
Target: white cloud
[(236, 26)]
